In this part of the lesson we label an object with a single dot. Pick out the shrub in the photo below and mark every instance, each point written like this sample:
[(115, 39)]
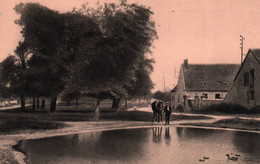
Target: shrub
[(180, 108), (228, 108), (255, 110)]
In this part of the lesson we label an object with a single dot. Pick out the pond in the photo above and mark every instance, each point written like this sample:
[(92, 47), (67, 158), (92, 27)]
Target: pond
[(176, 145)]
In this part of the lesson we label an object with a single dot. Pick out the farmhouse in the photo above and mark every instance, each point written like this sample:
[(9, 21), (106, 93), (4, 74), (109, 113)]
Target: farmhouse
[(200, 85), (246, 87)]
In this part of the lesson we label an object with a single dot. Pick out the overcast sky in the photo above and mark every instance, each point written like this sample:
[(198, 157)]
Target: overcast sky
[(202, 31)]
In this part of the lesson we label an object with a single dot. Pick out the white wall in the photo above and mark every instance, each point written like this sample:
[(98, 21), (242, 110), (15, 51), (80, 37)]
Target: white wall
[(211, 95)]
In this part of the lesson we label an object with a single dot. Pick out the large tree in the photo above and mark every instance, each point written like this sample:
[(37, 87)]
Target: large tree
[(60, 44), (128, 33), (42, 31), (95, 51), (14, 73)]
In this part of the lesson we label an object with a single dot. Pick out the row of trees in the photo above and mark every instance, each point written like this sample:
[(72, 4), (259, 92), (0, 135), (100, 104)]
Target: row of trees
[(99, 52)]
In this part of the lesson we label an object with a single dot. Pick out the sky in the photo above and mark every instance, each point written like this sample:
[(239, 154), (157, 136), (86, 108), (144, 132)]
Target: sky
[(202, 31)]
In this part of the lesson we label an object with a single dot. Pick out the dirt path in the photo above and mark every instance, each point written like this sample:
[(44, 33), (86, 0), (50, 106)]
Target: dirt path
[(217, 117)]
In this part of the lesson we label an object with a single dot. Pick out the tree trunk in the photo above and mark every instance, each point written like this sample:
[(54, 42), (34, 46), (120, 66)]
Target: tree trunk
[(33, 104), (77, 103), (126, 102), (38, 102), (53, 103), (116, 102), (43, 104), (97, 110), (68, 102), (22, 99)]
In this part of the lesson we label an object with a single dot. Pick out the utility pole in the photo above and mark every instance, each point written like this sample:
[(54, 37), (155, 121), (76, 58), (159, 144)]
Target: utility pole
[(241, 47)]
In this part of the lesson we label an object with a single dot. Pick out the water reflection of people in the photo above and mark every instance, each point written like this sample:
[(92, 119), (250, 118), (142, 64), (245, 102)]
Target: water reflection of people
[(75, 138), (167, 136), (157, 134)]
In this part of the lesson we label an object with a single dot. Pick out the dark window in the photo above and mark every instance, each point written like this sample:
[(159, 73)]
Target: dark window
[(251, 95), (217, 96), (205, 95), (190, 103), (252, 78), (246, 79), (178, 98)]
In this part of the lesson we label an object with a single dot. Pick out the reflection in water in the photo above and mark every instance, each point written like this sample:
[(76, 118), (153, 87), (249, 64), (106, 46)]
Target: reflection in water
[(75, 139), (119, 145), (179, 131), (247, 143), (167, 136), (178, 146), (157, 134)]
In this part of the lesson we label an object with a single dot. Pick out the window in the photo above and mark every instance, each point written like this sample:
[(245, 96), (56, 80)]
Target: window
[(205, 95), (252, 78), (178, 98), (217, 96), (246, 79), (251, 95)]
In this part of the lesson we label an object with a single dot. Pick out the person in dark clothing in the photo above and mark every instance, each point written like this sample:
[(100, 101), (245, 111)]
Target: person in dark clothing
[(168, 111), (154, 108), (159, 111)]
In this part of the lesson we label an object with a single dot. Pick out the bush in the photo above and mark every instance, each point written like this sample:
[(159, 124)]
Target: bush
[(228, 108), (255, 110), (180, 108)]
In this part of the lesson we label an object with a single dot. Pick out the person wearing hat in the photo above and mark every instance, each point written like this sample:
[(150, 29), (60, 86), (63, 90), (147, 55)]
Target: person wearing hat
[(168, 111)]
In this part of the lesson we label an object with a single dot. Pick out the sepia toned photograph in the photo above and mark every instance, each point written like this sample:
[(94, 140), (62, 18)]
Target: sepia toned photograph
[(129, 81)]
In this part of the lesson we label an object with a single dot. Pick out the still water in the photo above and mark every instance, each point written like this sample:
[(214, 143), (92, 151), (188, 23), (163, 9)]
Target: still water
[(175, 145)]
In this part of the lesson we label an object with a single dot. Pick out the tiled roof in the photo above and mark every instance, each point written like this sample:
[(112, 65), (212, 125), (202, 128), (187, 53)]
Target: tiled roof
[(209, 77)]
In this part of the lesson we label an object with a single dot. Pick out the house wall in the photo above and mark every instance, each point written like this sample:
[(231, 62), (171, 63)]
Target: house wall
[(239, 93), (211, 95), (203, 102), (180, 92)]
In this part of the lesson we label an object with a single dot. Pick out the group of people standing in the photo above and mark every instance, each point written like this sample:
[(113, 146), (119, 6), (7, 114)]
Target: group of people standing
[(158, 108)]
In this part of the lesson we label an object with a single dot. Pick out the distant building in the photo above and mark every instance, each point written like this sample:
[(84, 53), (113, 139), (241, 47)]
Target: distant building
[(200, 85), (173, 91), (246, 88)]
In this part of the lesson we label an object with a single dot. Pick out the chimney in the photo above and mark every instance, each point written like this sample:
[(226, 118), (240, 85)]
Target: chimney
[(185, 63)]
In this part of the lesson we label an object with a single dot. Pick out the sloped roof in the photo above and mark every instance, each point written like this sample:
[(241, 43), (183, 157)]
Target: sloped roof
[(255, 53), (209, 77), (174, 89)]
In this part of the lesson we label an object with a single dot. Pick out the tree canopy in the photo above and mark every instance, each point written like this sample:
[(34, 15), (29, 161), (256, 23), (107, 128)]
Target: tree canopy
[(101, 52)]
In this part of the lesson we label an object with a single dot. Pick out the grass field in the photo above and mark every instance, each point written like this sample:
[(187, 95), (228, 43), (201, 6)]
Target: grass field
[(12, 121)]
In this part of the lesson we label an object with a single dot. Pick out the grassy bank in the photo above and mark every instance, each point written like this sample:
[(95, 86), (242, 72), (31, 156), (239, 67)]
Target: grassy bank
[(14, 121), (234, 123)]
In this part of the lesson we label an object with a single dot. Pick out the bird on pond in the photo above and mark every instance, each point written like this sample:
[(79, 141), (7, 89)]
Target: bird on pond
[(233, 158), (202, 160)]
